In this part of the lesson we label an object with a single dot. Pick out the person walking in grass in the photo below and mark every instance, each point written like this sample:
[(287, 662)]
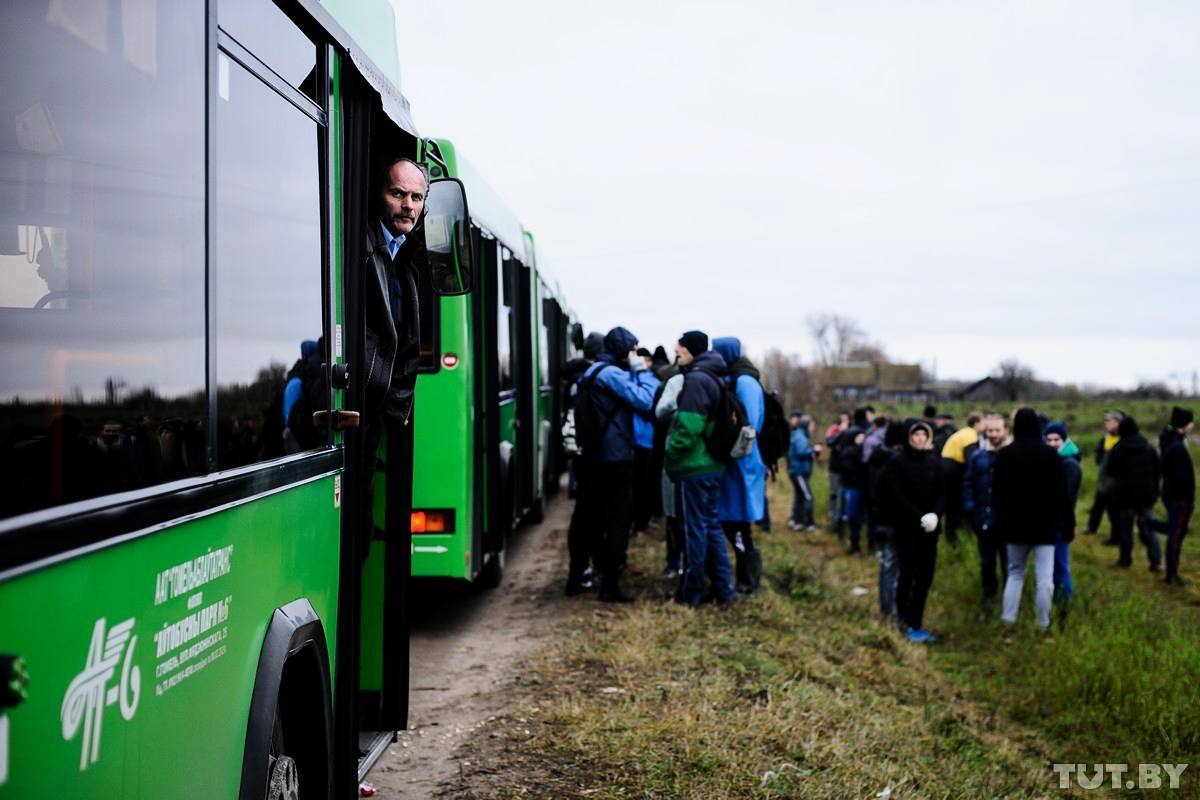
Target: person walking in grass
[(912, 490), (1178, 486), (954, 453), (1133, 468), (883, 529), (835, 478), (1102, 502), (1029, 494), (980, 511), (800, 466), (1068, 453), (696, 473)]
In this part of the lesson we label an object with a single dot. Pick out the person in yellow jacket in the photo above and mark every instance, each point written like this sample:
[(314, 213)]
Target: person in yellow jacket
[(955, 452)]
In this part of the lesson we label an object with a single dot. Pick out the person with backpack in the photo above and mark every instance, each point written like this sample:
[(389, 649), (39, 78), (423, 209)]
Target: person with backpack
[(607, 397), (583, 533), (1133, 469), (1178, 486), (912, 497), (800, 466), (883, 528), (697, 473), (666, 403), (742, 487), (980, 512)]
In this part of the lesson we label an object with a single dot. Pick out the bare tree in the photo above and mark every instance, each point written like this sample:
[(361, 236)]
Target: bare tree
[(835, 338), (1014, 379)]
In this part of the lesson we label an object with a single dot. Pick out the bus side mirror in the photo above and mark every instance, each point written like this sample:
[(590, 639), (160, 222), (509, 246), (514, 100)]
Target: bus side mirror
[(448, 237)]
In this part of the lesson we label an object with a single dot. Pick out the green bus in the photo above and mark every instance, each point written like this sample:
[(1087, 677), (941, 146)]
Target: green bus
[(194, 599), (488, 441)]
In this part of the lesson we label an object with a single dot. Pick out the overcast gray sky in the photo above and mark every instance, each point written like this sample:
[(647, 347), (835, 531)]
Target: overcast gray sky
[(970, 181)]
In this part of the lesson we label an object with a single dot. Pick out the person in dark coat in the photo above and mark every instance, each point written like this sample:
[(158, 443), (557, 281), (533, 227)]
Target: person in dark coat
[(615, 395), (980, 510), (1178, 486), (1100, 503), (1055, 435), (852, 472), (1029, 494), (883, 530), (1133, 469), (912, 491)]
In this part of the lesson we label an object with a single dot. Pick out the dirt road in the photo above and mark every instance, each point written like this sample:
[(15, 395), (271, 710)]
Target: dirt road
[(465, 647)]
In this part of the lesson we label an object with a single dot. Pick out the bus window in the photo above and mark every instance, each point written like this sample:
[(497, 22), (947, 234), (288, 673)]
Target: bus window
[(504, 321), (262, 28), (102, 241), (269, 267), (544, 336)]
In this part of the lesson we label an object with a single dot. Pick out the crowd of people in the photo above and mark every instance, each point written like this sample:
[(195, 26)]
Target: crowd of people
[(688, 440)]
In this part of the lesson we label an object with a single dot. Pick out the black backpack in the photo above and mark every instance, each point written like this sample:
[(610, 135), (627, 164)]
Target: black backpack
[(590, 424), (776, 436), (730, 419)]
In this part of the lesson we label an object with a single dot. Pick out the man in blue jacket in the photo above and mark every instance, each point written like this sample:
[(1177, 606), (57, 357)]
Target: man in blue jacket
[(978, 509), (800, 465), (614, 394), (743, 497)]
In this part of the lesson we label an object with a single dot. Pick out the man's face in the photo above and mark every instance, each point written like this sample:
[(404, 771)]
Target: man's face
[(1110, 426), (683, 355), (1054, 440), (794, 422), (996, 432), (403, 198), (844, 420), (870, 416)]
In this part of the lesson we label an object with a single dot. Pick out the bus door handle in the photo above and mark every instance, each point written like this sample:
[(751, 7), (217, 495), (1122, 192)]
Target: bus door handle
[(342, 420)]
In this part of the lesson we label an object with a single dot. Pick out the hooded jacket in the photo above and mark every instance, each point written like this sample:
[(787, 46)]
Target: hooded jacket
[(1132, 468), (912, 485), (977, 485), (616, 395), (744, 483), (1178, 473), (800, 453), (881, 456), (696, 408), (1029, 487)]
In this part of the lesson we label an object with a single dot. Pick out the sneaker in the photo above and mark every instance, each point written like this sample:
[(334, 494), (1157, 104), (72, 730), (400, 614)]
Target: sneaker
[(615, 596), (1122, 564), (578, 587), (1155, 568), (669, 574), (811, 529), (918, 636), (793, 525)]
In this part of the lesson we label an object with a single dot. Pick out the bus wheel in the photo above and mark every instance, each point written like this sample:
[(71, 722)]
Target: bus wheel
[(284, 783), (492, 574)]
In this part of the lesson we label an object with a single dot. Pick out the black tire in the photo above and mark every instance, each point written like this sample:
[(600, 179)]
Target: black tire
[(492, 574)]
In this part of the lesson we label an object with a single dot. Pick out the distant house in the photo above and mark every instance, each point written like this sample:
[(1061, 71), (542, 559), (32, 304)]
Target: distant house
[(896, 383), (985, 390)]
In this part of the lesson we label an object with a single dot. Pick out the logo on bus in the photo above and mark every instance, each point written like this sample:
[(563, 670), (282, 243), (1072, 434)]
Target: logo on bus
[(90, 693)]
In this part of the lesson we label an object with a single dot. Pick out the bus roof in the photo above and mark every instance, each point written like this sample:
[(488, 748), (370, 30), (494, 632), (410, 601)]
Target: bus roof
[(485, 205)]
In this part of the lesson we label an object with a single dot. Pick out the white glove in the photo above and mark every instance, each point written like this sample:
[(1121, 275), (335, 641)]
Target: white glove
[(929, 522)]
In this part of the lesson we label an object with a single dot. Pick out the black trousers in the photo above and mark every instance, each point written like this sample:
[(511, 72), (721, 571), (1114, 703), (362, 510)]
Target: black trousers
[(1100, 505), (646, 487), (583, 535), (614, 510), (918, 561), (992, 554)]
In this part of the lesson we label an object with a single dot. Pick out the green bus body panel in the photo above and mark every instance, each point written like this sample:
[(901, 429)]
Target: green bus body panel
[(89, 627)]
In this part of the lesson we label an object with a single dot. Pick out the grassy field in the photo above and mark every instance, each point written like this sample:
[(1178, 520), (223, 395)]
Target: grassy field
[(802, 692)]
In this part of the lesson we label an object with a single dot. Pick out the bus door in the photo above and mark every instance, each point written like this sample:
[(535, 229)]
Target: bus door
[(527, 428)]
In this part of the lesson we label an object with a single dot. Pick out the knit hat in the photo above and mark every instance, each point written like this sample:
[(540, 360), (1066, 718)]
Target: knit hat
[(696, 342), (593, 344), (1180, 417), (1056, 427)]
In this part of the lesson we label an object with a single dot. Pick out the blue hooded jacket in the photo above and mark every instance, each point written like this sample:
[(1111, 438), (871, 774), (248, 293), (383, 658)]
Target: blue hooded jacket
[(800, 453), (743, 484), (616, 394)]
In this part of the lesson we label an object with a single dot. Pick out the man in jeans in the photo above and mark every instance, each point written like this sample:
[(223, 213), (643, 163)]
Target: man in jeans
[(979, 511), (1178, 486), (696, 472), (800, 465), (1132, 467)]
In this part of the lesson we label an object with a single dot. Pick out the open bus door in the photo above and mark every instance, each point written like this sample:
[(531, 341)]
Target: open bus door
[(373, 655)]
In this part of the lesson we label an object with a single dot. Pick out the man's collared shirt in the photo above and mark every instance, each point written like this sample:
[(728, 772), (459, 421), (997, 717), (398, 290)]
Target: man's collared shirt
[(393, 242), (396, 287)]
